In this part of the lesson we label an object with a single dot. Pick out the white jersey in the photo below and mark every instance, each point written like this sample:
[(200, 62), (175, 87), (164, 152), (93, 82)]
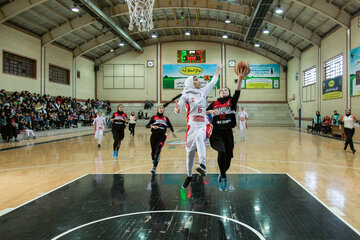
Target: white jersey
[(243, 114), (349, 121), (195, 103), (132, 119), (99, 123)]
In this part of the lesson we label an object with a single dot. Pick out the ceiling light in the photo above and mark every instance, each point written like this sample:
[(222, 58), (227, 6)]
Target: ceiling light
[(266, 30), (227, 20), (257, 44), (121, 44), (224, 36), (153, 35), (75, 9), (278, 9), (187, 33)]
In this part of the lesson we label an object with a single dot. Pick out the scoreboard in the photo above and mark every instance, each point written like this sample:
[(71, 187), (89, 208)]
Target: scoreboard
[(191, 56)]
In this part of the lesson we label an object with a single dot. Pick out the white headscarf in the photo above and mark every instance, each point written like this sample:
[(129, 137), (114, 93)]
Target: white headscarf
[(189, 86)]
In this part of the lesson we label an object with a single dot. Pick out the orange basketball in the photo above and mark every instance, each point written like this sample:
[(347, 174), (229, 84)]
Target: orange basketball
[(242, 67)]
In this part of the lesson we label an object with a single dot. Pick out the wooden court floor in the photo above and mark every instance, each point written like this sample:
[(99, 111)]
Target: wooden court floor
[(29, 169)]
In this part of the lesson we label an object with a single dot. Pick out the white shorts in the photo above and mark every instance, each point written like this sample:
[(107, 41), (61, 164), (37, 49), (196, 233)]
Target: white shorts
[(99, 132), (193, 132)]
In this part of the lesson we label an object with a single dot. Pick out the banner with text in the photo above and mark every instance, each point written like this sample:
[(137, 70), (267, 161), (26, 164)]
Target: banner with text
[(355, 72), (332, 88), (262, 76), (174, 75)]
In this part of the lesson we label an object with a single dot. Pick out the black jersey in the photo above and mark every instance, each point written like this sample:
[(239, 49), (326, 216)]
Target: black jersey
[(226, 119), (119, 119), (162, 122)]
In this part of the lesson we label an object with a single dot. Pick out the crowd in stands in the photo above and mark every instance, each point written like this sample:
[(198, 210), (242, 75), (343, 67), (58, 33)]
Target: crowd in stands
[(27, 112), (148, 104), (324, 124)]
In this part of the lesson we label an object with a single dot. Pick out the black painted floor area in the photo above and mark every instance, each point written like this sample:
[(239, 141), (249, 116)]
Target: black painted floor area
[(139, 206)]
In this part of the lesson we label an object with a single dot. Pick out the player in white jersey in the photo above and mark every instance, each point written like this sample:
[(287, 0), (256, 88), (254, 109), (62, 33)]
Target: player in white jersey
[(243, 117), (99, 126), (194, 98)]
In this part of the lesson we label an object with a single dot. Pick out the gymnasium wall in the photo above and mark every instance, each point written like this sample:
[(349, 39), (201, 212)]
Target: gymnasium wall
[(354, 43), (85, 85), (21, 44), (106, 88), (331, 46), (309, 59), (27, 45), (293, 85), (119, 89), (253, 95), (60, 58)]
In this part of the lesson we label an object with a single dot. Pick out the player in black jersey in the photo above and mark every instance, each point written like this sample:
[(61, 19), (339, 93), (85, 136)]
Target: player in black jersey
[(118, 120), (158, 124), (224, 119)]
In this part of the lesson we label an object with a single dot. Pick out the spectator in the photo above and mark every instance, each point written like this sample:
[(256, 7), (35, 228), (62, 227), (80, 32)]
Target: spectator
[(335, 118), (327, 125), (146, 116), (23, 128), (317, 122), (140, 114), (11, 131)]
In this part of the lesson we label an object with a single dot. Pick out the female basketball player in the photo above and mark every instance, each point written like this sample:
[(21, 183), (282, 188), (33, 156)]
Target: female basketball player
[(224, 119), (158, 124), (99, 126), (194, 98), (118, 120), (242, 117)]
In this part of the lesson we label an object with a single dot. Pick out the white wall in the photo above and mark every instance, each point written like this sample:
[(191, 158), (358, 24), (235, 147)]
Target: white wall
[(253, 95), (21, 44), (169, 56), (128, 95), (26, 45), (331, 46), (85, 85)]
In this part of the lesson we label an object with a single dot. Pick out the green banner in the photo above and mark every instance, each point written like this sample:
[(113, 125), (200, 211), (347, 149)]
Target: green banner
[(262, 76)]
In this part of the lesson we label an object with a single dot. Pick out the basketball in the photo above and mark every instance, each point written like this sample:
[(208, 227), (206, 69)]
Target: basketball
[(242, 67)]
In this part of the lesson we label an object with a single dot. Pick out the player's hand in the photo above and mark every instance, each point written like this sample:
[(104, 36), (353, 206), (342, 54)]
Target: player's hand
[(154, 127), (177, 107), (219, 66), (112, 120), (174, 135)]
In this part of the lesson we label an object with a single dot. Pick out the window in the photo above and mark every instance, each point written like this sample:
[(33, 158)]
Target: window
[(309, 77), (334, 67), (59, 75), (18, 65)]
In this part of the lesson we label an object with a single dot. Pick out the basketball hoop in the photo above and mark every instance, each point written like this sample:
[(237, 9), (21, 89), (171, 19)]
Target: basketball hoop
[(140, 12)]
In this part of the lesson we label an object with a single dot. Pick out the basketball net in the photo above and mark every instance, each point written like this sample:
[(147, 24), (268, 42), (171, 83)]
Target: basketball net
[(140, 12)]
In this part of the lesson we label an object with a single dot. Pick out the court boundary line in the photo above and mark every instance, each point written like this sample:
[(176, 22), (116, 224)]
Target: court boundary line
[(44, 194), (49, 141), (258, 234), (322, 203), (125, 169), (235, 159)]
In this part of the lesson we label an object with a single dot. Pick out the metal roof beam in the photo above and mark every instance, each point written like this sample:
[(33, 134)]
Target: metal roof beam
[(16, 7)]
